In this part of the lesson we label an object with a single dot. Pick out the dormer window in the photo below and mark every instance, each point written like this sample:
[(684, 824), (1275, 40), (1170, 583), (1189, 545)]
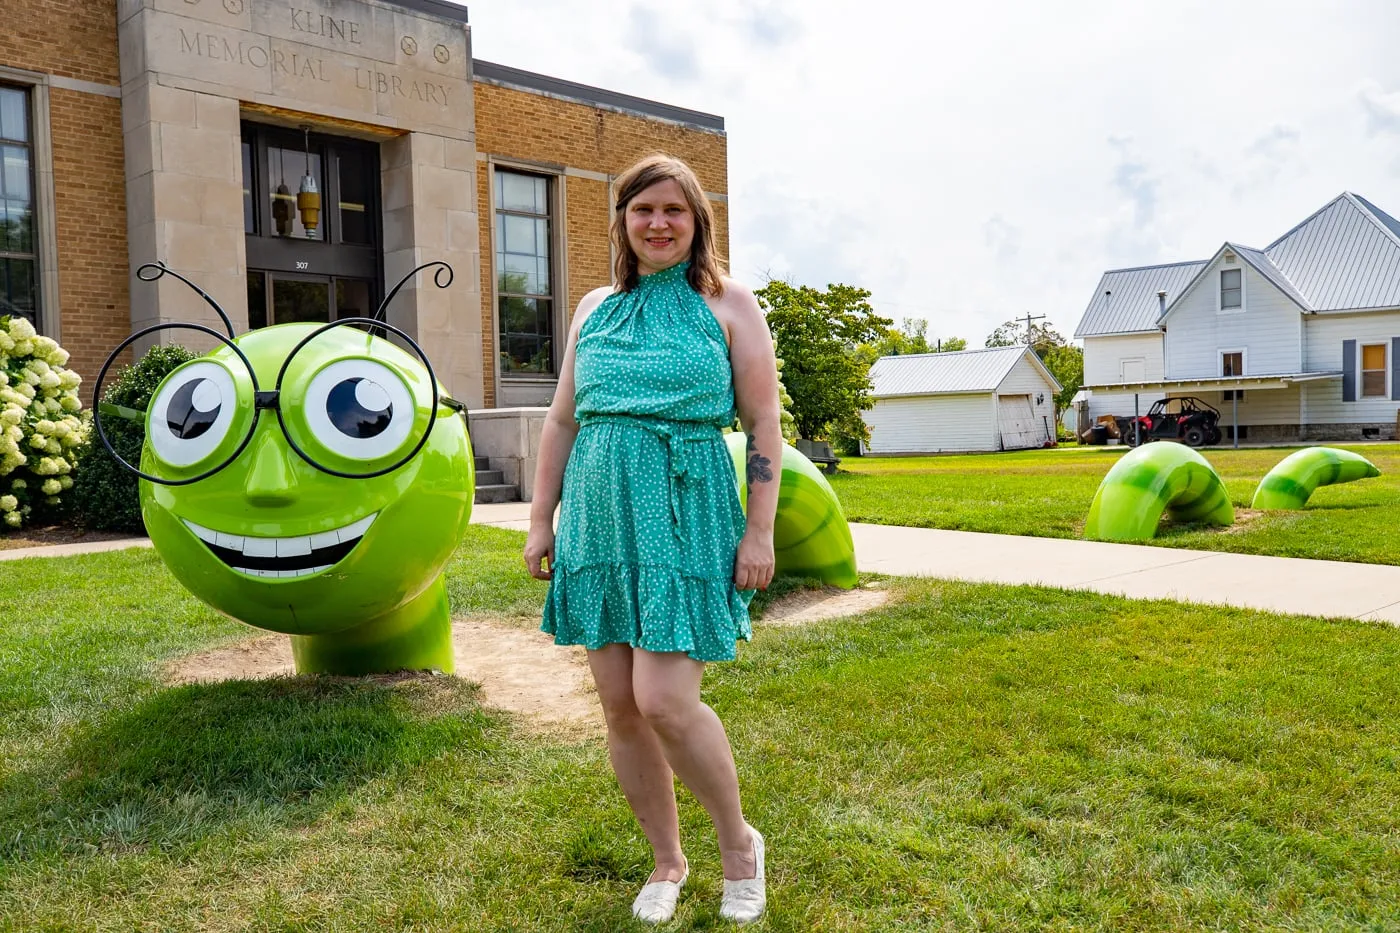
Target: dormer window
[(1231, 289)]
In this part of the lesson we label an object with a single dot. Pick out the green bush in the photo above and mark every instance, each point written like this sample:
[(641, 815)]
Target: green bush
[(105, 494)]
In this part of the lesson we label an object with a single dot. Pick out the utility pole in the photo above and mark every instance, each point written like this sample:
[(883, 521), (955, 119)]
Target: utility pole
[(1030, 334)]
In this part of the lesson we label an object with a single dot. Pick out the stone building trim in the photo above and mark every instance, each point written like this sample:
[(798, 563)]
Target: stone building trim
[(48, 313), (559, 89), (85, 87)]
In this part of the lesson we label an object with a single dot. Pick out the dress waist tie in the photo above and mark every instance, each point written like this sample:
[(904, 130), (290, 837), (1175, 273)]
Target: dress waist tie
[(675, 435)]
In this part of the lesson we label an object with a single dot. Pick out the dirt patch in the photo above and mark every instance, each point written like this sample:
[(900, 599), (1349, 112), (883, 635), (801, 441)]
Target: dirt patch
[(520, 671), (45, 535), (547, 688), (805, 606)]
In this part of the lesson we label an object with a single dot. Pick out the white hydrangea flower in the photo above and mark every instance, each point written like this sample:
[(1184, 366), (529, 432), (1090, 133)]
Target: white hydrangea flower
[(39, 441), (69, 379), (50, 380), (51, 487), (8, 503), (37, 366), (19, 484), (12, 414), (70, 403), (22, 329), (53, 446), (44, 427), (26, 390), (66, 481), (13, 519), (53, 406), (7, 343), (22, 348)]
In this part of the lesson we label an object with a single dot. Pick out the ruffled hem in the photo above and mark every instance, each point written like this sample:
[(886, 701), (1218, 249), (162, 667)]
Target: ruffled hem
[(655, 608)]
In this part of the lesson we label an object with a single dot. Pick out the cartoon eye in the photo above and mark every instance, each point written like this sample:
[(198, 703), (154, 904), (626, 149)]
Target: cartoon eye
[(359, 409), (192, 413)]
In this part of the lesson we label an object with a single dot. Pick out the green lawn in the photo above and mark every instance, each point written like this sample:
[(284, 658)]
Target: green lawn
[(970, 757), (1047, 493)]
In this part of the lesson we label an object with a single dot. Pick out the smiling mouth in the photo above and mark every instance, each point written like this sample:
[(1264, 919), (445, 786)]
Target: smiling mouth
[(298, 556)]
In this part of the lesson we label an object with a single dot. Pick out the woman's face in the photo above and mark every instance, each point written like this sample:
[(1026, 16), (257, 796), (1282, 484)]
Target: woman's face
[(660, 226)]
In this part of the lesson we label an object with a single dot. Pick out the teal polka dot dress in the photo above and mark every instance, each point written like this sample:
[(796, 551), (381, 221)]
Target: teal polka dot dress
[(650, 521)]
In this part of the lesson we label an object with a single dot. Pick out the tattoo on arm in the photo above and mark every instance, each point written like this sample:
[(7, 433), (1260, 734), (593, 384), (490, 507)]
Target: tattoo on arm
[(759, 467)]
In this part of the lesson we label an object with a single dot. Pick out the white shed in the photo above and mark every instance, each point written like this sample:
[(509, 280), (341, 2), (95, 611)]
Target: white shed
[(1002, 398)]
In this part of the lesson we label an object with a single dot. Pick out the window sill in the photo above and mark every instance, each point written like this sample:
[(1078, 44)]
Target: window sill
[(1230, 310), (537, 378)]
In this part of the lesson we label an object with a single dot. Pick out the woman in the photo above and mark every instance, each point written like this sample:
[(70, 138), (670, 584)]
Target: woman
[(655, 562)]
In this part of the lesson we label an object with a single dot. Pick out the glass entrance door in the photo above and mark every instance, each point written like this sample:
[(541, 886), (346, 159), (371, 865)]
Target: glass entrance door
[(282, 297)]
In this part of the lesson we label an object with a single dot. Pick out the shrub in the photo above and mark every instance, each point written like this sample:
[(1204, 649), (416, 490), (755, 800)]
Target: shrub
[(106, 494), (41, 426)]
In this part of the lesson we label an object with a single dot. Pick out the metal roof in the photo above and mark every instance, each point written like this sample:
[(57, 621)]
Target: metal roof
[(1125, 301), (1261, 264), (946, 373), (1346, 256)]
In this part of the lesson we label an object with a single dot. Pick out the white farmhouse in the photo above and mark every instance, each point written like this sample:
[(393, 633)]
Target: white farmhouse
[(1297, 341), (996, 399)]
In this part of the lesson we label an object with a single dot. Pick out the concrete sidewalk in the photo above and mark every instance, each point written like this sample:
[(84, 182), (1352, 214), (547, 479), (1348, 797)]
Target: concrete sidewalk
[(1280, 584)]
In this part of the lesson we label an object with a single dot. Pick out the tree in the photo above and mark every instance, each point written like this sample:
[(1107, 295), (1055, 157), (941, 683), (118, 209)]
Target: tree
[(1064, 360), (817, 335), (909, 337)]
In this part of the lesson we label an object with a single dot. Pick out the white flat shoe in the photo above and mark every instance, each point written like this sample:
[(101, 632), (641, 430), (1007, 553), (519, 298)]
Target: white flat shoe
[(745, 900), (657, 901)]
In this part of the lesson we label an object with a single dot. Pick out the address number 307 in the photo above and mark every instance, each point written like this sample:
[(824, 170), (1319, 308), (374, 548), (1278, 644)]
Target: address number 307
[(302, 265)]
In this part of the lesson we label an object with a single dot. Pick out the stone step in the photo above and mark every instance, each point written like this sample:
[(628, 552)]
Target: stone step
[(490, 478), (498, 493), (482, 463)]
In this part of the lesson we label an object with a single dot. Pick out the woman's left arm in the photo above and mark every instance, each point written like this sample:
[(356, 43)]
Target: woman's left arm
[(756, 397)]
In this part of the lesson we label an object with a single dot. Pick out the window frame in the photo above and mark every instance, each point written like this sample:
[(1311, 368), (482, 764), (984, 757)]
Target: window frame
[(1361, 370), (1220, 291), (1243, 353), (554, 177), (35, 86)]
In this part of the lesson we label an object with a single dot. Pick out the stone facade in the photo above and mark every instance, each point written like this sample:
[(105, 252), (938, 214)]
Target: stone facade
[(144, 105)]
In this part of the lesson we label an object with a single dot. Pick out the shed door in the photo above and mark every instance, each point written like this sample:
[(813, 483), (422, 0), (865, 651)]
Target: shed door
[(1016, 420)]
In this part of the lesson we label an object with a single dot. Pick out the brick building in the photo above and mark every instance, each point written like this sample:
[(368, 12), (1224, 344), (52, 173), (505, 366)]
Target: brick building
[(183, 131)]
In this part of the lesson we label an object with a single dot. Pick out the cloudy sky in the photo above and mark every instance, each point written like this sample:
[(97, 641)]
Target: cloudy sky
[(968, 163)]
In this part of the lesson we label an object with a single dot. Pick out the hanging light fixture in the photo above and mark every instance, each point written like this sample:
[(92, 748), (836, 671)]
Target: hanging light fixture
[(282, 202), (308, 195)]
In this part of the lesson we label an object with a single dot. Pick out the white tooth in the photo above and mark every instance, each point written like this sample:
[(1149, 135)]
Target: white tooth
[(293, 547), (204, 534), (233, 542), (351, 532), (324, 539), (249, 571), (311, 570), (260, 547)]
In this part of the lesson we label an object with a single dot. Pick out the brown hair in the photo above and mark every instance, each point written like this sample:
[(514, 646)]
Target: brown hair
[(704, 272)]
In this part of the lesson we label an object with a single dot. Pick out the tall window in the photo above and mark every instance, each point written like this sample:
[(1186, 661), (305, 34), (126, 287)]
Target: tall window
[(19, 266), (1232, 364), (524, 274), (1373, 371), (1231, 289)]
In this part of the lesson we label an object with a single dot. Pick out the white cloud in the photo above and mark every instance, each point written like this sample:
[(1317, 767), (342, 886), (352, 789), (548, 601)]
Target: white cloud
[(967, 163)]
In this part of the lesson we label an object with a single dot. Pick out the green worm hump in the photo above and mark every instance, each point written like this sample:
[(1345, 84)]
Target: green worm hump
[(1152, 479), (1289, 484), (810, 535)]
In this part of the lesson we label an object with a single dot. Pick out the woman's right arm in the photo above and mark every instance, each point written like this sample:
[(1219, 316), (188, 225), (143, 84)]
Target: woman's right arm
[(556, 442)]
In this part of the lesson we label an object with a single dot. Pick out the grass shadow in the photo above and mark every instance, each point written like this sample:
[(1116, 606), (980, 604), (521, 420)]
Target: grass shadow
[(195, 761)]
